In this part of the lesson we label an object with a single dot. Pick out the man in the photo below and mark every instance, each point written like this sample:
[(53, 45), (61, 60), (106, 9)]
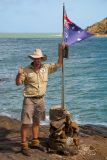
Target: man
[(34, 77)]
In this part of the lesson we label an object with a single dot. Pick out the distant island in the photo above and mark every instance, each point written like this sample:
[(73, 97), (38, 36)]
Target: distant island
[(99, 28)]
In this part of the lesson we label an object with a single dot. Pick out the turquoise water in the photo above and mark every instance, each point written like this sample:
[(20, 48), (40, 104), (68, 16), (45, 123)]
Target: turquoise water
[(85, 77), (29, 35)]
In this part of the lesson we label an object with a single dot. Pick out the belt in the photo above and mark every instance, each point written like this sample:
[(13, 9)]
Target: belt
[(38, 97)]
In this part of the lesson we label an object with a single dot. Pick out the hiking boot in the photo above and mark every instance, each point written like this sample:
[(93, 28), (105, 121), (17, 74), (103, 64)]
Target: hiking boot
[(35, 143), (26, 152), (25, 149)]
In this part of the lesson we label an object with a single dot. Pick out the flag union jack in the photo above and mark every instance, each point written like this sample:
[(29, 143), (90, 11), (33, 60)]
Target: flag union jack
[(67, 22)]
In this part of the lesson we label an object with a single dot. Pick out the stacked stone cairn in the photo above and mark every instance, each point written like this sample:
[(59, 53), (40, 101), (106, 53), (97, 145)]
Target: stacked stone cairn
[(64, 133)]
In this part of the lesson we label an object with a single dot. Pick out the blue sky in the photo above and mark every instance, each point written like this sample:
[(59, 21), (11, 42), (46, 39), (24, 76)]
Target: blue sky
[(42, 16)]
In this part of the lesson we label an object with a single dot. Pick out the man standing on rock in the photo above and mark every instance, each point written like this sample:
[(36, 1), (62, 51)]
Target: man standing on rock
[(34, 77)]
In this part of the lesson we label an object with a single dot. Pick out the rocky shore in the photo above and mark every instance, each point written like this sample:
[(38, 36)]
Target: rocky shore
[(93, 143)]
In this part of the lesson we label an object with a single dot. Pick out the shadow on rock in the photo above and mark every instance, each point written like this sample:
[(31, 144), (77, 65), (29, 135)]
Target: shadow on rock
[(8, 140)]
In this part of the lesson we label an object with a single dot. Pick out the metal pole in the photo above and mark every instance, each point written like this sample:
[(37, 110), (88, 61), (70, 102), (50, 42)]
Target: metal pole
[(62, 83), (63, 64)]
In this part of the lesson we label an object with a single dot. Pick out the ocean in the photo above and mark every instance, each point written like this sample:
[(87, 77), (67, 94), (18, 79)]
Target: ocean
[(85, 77)]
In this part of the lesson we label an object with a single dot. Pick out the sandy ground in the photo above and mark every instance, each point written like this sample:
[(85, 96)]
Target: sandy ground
[(93, 143)]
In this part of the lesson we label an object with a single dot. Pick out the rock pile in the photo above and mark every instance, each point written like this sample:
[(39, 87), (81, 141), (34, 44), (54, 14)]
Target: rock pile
[(64, 133)]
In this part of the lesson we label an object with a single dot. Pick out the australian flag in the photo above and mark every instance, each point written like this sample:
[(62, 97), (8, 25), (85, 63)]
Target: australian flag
[(73, 33)]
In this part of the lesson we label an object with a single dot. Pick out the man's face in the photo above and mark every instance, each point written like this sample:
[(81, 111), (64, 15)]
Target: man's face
[(37, 62)]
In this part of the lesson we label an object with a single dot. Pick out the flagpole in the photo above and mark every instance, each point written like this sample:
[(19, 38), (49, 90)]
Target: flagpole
[(63, 64)]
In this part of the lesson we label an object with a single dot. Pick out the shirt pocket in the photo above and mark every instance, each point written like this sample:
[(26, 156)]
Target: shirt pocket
[(44, 75)]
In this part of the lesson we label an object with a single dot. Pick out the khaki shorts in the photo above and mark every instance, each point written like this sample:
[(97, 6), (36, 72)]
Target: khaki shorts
[(33, 110)]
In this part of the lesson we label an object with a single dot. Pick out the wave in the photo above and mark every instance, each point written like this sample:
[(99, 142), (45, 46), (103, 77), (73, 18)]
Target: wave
[(4, 79)]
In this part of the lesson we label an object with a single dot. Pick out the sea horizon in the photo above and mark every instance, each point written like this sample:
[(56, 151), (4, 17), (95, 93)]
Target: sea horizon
[(36, 35), (29, 35)]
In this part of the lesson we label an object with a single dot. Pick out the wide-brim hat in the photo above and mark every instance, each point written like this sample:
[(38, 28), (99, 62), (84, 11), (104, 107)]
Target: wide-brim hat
[(38, 54)]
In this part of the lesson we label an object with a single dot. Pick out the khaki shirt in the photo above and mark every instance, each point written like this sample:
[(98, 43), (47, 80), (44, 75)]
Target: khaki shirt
[(35, 83)]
